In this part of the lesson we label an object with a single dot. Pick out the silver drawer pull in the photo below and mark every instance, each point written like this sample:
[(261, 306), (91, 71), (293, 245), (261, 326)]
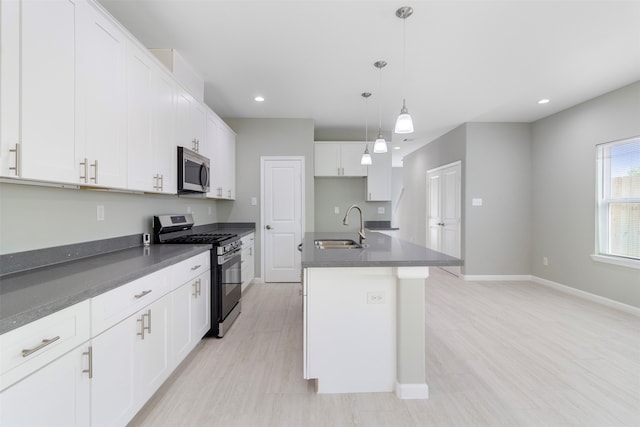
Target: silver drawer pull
[(44, 343), (195, 267), (143, 294), (89, 354)]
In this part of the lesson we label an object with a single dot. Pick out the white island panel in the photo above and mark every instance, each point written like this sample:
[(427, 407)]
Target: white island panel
[(351, 329)]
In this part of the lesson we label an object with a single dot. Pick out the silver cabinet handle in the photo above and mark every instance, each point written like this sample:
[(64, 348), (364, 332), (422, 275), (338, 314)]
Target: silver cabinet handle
[(45, 342), (140, 295), (85, 165), (195, 289), (141, 321), (229, 193), (16, 168), (161, 176), (219, 191), (142, 326), (95, 172), (149, 319), (89, 353), (195, 267), (199, 287)]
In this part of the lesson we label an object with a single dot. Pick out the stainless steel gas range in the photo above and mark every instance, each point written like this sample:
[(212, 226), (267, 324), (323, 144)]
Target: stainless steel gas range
[(226, 267)]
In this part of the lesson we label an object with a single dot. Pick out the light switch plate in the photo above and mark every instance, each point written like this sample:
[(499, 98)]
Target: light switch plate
[(476, 202), (254, 201)]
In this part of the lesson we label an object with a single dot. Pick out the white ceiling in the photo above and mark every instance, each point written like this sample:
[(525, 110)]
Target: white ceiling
[(465, 60)]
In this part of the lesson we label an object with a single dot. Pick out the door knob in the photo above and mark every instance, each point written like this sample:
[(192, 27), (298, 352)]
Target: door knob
[(268, 227)]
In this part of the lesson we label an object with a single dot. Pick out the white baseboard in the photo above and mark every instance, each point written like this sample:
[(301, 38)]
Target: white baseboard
[(588, 296), (559, 287), (412, 391), (496, 277)]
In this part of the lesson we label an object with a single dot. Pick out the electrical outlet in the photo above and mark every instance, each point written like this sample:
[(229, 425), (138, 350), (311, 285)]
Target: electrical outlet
[(254, 201), (188, 209), (545, 260), (100, 213), (375, 297), (336, 210), (476, 202), (381, 210)]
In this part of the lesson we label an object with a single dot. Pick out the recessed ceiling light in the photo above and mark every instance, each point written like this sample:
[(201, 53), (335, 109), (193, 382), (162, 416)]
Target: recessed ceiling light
[(544, 101), (396, 148), (259, 98)]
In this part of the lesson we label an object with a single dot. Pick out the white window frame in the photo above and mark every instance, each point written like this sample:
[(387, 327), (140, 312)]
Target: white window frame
[(603, 200)]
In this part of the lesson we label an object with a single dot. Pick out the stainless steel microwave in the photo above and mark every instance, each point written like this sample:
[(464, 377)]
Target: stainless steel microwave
[(193, 172)]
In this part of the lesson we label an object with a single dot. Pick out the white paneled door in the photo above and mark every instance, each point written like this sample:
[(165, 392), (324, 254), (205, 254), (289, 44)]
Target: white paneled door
[(282, 208), (444, 210)]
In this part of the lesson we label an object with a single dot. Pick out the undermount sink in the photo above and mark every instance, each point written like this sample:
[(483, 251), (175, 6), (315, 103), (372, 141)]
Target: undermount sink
[(337, 244)]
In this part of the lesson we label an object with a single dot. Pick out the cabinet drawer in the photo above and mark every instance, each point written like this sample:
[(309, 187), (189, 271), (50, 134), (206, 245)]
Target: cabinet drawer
[(30, 347), (190, 268), (118, 304)]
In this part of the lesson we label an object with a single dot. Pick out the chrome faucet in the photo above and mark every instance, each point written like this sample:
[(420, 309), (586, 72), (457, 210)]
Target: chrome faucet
[(345, 221)]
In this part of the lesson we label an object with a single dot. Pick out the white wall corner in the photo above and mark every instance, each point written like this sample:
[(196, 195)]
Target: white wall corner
[(588, 296), (412, 391)]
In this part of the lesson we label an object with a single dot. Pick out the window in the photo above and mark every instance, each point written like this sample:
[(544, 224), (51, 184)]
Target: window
[(618, 203)]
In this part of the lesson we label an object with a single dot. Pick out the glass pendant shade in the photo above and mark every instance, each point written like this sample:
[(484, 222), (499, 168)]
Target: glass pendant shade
[(380, 146), (404, 123), (366, 157)]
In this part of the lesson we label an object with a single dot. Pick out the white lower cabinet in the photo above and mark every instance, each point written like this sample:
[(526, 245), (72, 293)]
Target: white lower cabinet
[(192, 319), (130, 361), (248, 259), (56, 372), (56, 395)]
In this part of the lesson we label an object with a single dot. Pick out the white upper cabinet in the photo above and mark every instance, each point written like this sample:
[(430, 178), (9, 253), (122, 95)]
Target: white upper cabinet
[(221, 143), (163, 118), (37, 89), (191, 122), (338, 159), (378, 187), (101, 119), (139, 120), (150, 124)]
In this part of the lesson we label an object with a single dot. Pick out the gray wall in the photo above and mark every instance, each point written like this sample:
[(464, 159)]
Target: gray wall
[(266, 137), (33, 217), (564, 193), (447, 149), (497, 236), (343, 192)]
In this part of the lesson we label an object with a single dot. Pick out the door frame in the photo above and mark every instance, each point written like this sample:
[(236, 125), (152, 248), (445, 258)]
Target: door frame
[(454, 270), (263, 160)]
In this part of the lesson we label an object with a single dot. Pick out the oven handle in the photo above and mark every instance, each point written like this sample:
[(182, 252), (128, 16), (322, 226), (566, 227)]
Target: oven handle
[(226, 257)]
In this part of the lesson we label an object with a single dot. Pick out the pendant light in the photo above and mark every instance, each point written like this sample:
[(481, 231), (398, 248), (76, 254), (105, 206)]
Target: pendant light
[(380, 146), (404, 123), (366, 157)]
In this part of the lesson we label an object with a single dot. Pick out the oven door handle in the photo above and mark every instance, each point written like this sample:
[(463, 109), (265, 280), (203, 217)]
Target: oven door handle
[(226, 257)]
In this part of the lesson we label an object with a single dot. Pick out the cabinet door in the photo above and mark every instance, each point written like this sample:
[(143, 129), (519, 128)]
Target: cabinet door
[(350, 156), (56, 395), (214, 137), (163, 117), (248, 260), (198, 125), (379, 178), (229, 158), (153, 351), (38, 89), (184, 134), (140, 174), (191, 315), (327, 159), (113, 399), (102, 105)]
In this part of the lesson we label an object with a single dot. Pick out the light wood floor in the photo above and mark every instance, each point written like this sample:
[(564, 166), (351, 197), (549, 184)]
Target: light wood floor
[(498, 354)]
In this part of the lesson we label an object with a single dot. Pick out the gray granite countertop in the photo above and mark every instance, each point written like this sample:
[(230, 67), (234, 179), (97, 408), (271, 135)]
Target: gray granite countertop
[(29, 295), (380, 251)]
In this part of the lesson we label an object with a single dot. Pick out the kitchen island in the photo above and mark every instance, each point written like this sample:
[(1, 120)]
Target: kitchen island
[(364, 314)]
